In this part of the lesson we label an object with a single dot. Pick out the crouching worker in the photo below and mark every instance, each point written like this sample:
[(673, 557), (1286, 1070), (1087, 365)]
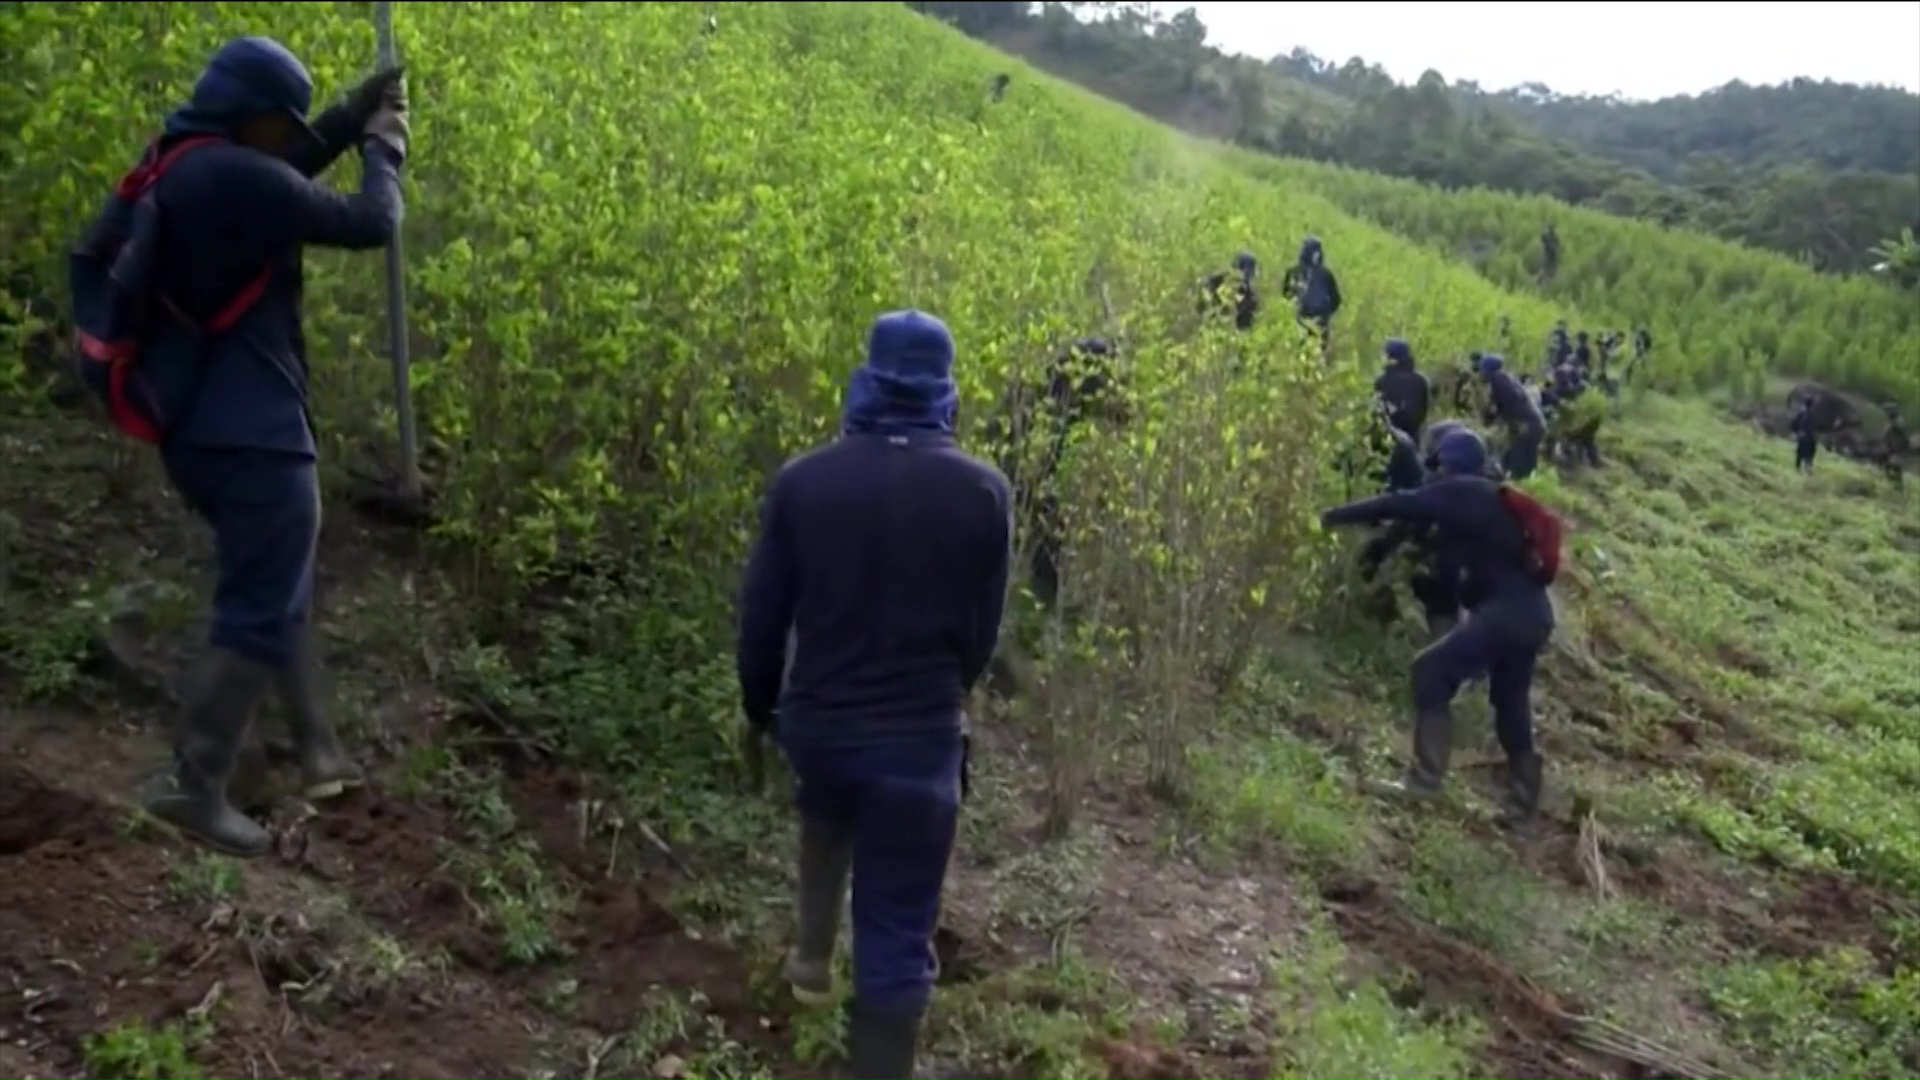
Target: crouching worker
[(208, 232), (886, 553), (1507, 547), (1509, 403)]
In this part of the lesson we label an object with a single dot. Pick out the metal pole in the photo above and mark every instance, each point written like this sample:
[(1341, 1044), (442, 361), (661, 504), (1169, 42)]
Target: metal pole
[(397, 299)]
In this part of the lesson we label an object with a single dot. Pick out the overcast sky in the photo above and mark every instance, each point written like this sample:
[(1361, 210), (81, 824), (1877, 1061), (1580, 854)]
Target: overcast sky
[(1639, 50)]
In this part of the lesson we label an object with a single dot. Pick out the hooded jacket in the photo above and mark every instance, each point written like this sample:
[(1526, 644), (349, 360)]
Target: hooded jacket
[(226, 215), (886, 554)]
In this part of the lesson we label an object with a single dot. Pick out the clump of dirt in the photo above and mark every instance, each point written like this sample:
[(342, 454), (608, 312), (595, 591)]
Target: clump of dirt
[(32, 814), (1531, 1029), (1141, 1058)]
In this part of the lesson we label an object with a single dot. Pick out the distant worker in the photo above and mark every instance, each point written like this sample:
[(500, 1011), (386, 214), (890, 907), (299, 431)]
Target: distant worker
[(1896, 444), (1232, 292), (1508, 548), (1403, 389), (885, 555), (1514, 408), (210, 228), (1559, 344), (1549, 254), (1315, 292), (1806, 436)]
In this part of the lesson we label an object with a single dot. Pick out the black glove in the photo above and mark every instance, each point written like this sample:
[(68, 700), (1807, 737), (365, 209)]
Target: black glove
[(388, 87)]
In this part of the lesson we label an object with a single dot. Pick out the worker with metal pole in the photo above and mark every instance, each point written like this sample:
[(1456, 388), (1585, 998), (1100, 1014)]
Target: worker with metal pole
[(219, 386)]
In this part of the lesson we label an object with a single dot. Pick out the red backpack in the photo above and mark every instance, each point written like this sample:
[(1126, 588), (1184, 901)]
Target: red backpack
[(111, 275), (1542, 529)]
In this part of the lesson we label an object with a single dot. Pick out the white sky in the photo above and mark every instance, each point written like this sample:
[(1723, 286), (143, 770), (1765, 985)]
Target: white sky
[(1639, 50)]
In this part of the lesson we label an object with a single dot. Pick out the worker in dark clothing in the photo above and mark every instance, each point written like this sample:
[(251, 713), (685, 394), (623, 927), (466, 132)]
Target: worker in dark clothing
[(1642, 345), (1559, 345), (1896, 443), (1224, 292), (885, 554), (1510, 617), (1436, 578), (1405, 391), (1582, 352), (1314, 290), (1806, 437), (234, 216), (1510, 403), (1549, 253), (1038, 420), (1402, 471)]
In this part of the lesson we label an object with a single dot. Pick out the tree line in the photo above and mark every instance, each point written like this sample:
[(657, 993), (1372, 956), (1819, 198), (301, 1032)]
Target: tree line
[(1824, 172)]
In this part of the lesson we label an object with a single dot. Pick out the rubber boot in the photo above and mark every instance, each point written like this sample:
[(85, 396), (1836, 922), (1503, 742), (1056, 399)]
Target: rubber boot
[(1524, 780), (326, 771), (1432, 749), (826, 857), (881, 1045), (191, 796)]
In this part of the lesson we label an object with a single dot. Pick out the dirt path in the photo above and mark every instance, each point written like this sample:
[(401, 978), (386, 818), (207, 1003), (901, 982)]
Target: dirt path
[(352, 950)]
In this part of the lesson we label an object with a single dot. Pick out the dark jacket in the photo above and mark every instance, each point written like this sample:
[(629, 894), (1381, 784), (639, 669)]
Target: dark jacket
[(1239, 295), (1407, 394), (226, 214), (1403, 471), (887, 556), (1473, 530), (1511, 403)]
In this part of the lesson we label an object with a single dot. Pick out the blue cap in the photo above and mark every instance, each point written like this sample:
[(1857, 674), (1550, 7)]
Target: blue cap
[(1461, 453), (250, 76), (911, 346)]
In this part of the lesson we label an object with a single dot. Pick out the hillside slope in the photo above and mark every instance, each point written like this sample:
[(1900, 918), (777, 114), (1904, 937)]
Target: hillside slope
[(633, 294)]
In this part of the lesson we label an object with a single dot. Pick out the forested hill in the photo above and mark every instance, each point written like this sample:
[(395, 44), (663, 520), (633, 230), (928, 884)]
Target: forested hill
[(1823, 172)]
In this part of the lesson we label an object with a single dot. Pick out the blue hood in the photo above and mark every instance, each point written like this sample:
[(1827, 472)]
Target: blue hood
[(248, 76), (1461, 452), (1399, 353), (1310, 252), (906, 383)]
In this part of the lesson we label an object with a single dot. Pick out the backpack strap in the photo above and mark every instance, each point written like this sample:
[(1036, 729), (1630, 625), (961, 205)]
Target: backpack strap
[(139, 183), (154, 164)]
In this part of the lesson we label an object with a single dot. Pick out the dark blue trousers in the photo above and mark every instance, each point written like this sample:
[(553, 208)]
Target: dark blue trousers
[(1479, 646), (901, 804), (264, 508), (1523, 453), (1436, 584)]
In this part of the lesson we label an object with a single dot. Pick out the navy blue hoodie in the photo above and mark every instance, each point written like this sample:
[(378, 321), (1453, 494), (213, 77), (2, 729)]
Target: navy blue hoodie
[(886, 554), (227, 213)]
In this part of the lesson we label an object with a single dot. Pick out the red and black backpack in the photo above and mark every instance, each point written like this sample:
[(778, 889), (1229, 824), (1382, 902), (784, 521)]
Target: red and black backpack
[(1541, 528), (116, 299)]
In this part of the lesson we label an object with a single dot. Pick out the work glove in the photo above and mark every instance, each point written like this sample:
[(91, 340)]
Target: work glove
[(388, 123), (387, 87)]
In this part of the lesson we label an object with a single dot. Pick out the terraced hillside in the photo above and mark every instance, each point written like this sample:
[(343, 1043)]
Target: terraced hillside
[(642, 259)]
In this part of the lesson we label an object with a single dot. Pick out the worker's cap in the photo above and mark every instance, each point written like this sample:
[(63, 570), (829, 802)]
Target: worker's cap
[(250, 76)]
